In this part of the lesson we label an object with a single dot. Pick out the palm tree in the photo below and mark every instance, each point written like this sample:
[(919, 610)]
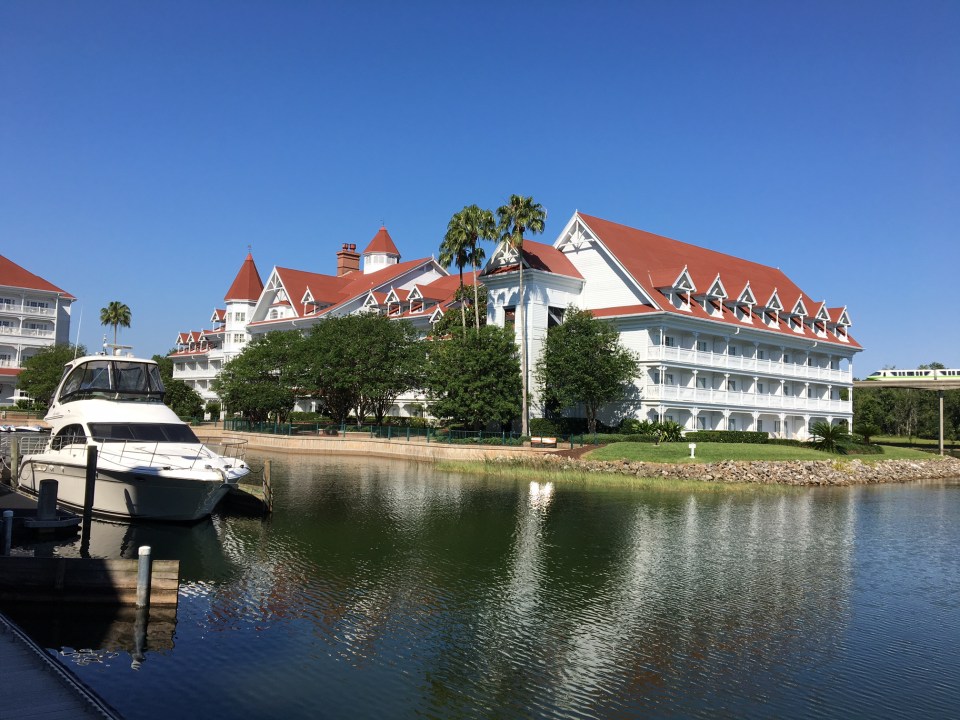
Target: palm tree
[(116, 314), (829, 438), (461, 245), (521, 214)]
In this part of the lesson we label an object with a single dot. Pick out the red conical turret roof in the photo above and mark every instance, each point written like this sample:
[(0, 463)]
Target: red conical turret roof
[(382, 243), (247, 285)]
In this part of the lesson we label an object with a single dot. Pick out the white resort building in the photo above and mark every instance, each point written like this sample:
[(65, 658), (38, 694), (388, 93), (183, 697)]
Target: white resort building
[(372, 281), (33, 314), (724, 343)]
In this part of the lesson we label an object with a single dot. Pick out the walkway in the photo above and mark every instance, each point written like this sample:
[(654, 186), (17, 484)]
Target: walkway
[(34, 686)]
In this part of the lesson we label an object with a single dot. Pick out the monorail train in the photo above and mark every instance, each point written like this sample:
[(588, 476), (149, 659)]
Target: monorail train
[(921, 374)]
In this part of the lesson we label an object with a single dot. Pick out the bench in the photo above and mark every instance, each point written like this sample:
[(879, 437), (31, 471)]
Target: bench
[(540, 441)]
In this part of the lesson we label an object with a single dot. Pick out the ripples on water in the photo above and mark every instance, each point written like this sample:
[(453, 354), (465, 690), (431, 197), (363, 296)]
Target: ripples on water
[(381, 589)]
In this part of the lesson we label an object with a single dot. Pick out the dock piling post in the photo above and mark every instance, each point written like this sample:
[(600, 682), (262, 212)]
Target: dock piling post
[(14, 461), (7, 531), (267, 487), (91, 482), (47, 500), (144, 567)]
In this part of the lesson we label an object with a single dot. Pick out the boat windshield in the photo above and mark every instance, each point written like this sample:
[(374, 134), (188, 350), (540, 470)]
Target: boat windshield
[(116, 379), (147, 432)]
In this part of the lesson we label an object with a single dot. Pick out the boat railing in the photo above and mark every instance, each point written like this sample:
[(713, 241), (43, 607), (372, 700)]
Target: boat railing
[(232, 449), (121, 451), (29, 443)]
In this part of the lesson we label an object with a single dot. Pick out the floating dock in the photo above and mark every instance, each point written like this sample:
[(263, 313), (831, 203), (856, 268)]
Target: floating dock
[(35, 686)]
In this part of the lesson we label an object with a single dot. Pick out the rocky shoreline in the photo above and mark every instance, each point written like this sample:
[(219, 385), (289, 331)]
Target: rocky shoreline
[(763, 472)]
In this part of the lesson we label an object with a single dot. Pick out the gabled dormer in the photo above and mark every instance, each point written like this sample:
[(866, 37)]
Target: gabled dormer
[(712, 299), (770, 312), (218, 318), (416, 300), (839, 323), (743, 306), (676, 285)]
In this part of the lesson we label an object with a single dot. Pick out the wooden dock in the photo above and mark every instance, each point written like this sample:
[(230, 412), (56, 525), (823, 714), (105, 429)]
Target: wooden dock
[(34, 686)]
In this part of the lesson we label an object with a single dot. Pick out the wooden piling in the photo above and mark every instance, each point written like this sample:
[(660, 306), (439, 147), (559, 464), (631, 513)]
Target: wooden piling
[(91, 484), (14, 461), (267, 487), (7, 531)]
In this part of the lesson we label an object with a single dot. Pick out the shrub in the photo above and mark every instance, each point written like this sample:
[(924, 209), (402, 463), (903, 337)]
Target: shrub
[(830, 438), (729, 436), (543, 426), (788, 442)]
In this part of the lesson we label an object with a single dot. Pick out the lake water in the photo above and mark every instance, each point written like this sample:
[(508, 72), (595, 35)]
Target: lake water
[(382, 589)]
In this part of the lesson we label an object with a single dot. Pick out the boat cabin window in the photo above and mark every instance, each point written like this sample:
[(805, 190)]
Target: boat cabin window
[(69, 435), (122, 380), (144, 432)]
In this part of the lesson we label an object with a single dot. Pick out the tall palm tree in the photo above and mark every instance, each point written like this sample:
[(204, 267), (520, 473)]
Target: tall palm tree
[(461, 244), (455, 250), (521, 214), (116, 314)]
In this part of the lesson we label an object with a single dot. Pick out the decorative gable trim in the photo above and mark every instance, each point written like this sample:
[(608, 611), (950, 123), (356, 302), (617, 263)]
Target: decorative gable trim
[(746, 296), (717, 290), (774, 302), (575, 236)]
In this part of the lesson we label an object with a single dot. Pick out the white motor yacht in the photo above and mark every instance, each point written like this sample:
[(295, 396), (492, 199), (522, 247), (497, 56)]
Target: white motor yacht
[(150, 464)]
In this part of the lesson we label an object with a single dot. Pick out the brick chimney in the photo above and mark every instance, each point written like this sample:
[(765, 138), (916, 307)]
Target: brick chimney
[(348, 259)]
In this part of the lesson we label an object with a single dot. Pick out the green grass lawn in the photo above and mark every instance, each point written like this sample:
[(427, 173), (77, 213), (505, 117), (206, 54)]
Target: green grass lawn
[(716, 452)]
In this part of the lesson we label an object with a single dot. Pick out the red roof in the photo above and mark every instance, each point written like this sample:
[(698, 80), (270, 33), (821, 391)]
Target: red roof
[(649, 258), (333, 290), (382, 243), (539, 256), (247, 285), (12, 275)]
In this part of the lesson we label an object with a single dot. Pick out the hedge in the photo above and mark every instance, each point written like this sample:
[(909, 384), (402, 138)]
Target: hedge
[(728, 436)]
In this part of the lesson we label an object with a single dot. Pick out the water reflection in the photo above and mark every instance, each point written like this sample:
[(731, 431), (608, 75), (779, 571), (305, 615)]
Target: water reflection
[(382, 588)]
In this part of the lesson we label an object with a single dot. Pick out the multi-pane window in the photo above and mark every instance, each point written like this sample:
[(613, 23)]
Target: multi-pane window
[(670, 341), (702, 345)]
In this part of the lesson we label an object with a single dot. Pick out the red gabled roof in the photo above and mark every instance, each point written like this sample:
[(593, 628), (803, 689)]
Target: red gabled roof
[(646, 256), (382, 243), (332, 290), (12, 275), (247, 285), (539, 256)]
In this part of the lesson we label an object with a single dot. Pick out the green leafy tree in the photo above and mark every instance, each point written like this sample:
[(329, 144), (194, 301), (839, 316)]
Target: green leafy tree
[(260, 382), (361, 363), (461, 245), (519, 215), (476, 312), (43, 371), (474, 378), (182, 399), (116, 314), (584, 363)]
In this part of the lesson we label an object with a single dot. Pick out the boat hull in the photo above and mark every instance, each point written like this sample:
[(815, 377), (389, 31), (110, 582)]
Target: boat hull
[(130, 494)]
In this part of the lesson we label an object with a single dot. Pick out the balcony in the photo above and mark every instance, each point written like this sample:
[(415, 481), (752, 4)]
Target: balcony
[(25, 332), (745, 400), (8, 309), (742, 364)]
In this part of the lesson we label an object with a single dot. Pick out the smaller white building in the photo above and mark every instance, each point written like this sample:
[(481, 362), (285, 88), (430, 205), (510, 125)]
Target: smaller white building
[(201, 354), (34, 314)]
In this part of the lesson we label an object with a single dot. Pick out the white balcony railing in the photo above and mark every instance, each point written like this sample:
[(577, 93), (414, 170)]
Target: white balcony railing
[(725, 398), (19, 309), (743, 364)]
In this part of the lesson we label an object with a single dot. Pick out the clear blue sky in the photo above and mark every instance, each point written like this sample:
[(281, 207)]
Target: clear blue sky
[(145, 145)]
